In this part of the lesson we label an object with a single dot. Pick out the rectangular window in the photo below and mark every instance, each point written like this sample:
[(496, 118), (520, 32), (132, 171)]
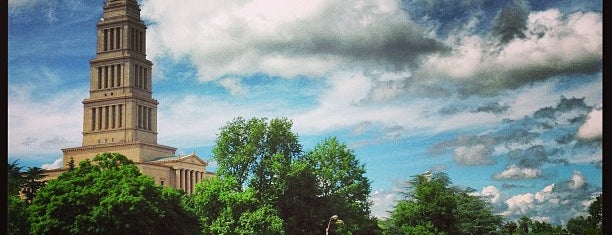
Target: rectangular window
[(112, 37), (105, 39), (139, 116), (99, 77), (120, 115), (118, 37), (119, 75), (112, 77), (105, 117), (105, 76), (113, 113), (93, 119), (100, 118)]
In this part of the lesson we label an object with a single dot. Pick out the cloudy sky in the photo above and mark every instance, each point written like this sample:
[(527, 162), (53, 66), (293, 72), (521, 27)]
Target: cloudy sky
[(503, 96)]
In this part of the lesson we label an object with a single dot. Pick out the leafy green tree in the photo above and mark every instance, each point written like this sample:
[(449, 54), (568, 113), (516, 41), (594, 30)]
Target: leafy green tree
[(596, 213), (343, 185), (17, 216), (257, 153), (474, 215), (71, 164), (15, 178), (108, 195), (32, 182), (510, 227), (301, 205), (432, 206), (524, 223), (589, 225), (223, 208)]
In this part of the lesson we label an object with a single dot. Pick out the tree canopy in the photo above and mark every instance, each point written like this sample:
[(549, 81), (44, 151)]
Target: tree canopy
[(433, 206), (108, 195)]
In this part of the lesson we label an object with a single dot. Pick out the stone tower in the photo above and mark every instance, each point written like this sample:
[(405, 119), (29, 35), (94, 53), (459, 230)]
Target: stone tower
[(120, 114)]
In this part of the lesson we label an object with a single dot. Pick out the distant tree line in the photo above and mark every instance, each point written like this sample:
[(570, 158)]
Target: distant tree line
[(265, 184)]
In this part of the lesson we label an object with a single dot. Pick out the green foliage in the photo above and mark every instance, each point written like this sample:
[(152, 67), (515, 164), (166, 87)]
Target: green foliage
[(591, 224), (108, 196), (474, 215), (17, 216), (224, 210), (509, 227), (432, 206), (32, 182), (262, 169), (15, 178), (342, 184), (257, 153)]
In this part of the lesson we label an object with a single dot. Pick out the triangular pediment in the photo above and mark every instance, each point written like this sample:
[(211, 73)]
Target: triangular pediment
[(191, 159)]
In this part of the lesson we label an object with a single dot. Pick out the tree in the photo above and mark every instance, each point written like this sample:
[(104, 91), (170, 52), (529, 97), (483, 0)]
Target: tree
[(222, 209), (258, 153), (71, 164), (17, 214), (108, 195), (524, 223), (510, 227), (32, 182), (433, 206), (474, 215), (15, 178), (342, 184), (591, 224)]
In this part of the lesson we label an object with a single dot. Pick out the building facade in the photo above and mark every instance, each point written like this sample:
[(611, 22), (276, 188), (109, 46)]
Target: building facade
[(120, 114)]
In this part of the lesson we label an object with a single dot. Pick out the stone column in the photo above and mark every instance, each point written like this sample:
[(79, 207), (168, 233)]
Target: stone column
[(177, 183)]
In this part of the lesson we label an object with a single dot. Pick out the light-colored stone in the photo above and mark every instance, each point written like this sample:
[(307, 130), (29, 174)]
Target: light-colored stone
[(120, 114)]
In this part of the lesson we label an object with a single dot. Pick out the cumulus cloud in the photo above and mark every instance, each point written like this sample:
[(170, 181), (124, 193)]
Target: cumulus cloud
[(490, 193), (515, 172), (55, 165), (383, 202), (474, 155), (38, 126), (549, 48), (557, 202), (592, 129), (286, 39)]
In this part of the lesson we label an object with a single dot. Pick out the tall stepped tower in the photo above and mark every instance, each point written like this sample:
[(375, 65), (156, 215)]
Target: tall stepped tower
[(120, 114)]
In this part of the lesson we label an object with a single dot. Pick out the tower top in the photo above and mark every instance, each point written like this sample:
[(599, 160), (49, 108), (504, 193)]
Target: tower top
[(118, 10)]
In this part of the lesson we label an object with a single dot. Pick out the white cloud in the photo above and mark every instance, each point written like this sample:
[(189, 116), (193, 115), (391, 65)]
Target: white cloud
[(382, 202), (515, 172), (555, 203), (474, 155), (55, 165), (45, 125), (233, 85), (490, 193), (593, 126), (285, 38), (555, 44), (577, 180)]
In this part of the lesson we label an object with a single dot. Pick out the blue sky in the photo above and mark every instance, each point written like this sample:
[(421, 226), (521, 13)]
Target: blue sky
[(504, 96)]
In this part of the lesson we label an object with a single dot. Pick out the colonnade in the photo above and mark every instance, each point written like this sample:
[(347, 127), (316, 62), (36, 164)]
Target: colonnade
[(107, 117), (186, 179), (109, 76)]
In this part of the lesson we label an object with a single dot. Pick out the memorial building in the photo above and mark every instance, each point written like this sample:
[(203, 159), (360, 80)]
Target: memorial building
[(120, 114)]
